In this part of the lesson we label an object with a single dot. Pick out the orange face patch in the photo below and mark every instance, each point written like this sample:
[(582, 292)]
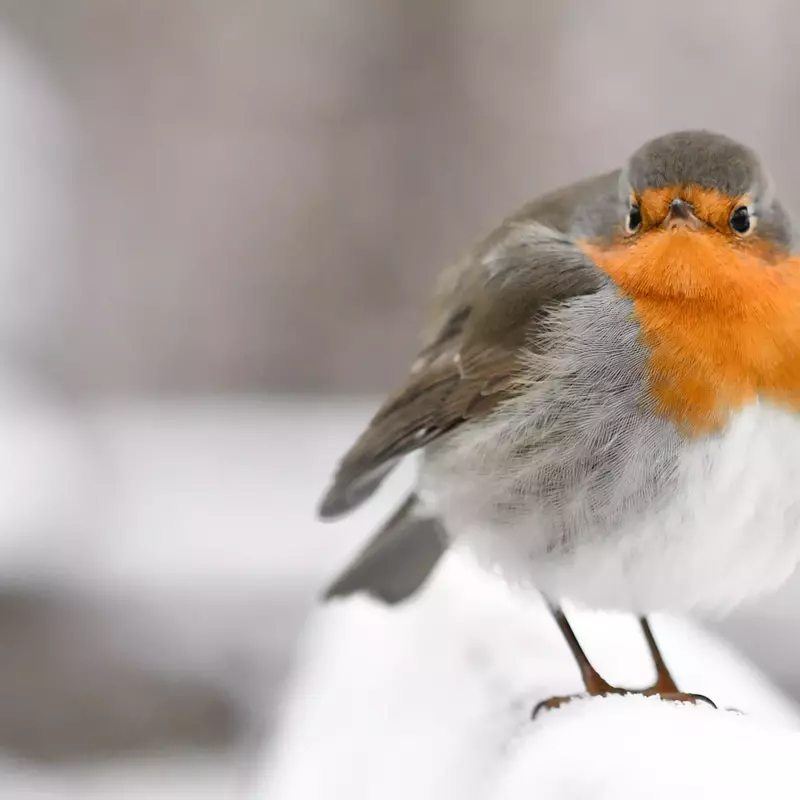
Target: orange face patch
[(722, 321), (713, 207)]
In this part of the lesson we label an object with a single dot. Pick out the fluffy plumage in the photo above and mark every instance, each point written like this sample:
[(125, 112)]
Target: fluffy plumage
[(588, 398)]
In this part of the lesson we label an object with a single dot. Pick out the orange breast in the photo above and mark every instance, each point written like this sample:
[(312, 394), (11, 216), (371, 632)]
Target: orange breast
[(721, 321)]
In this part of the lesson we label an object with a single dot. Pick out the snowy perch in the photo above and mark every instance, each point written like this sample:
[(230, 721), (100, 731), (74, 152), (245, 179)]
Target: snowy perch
[(431, 701), (636, 747)]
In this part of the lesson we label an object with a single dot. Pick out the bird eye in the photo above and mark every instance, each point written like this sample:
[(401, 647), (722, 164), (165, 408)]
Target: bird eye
[(740, 220), (634, 219)]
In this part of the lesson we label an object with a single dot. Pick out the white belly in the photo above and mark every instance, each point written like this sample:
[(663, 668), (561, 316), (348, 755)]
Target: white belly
[(729, 530)]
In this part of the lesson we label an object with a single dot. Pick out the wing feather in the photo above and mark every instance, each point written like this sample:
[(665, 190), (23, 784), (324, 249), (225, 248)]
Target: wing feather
[(471, 365)]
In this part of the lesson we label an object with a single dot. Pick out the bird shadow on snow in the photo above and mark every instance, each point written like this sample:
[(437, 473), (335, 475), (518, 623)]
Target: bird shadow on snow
[(432, 700)]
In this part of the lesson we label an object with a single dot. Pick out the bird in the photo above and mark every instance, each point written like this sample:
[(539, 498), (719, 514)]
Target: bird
[(606, 404)]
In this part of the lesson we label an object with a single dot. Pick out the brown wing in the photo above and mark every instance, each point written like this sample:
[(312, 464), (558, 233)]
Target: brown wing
[(497, 304), (432, 402)]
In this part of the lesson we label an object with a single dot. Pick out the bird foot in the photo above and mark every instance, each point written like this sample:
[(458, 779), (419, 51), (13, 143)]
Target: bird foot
[(673, 697), (679, 697)]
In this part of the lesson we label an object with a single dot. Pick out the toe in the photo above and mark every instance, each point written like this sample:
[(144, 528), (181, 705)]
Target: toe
[(683, 697), (549, 704)]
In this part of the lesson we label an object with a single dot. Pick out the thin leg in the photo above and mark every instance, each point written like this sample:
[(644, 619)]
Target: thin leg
[(592, 680), (665, 684)]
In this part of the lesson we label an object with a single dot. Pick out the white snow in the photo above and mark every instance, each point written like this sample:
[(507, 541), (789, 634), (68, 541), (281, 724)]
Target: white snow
[(642, 747), (432, 700)]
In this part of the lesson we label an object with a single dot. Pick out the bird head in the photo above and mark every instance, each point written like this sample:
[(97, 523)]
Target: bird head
[(700, 213)]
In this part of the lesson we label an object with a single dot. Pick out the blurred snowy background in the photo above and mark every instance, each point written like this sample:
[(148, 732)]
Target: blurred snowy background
[(218, 222)]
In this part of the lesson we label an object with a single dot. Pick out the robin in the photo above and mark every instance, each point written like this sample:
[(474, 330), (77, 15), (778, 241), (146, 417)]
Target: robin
[(606, 400)]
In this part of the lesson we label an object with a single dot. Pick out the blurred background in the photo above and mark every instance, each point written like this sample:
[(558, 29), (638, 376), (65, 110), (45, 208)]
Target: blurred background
[(218, 224)]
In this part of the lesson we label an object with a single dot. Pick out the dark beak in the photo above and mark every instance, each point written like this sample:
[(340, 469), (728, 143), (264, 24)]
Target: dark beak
[(681, 214)]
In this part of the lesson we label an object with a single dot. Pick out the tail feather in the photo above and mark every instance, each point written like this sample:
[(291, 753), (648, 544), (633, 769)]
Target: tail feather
[(397, 561)]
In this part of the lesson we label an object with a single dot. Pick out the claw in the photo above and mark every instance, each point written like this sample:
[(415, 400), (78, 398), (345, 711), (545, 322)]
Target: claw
[(682, 697), (560, 700), (553, 702)]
